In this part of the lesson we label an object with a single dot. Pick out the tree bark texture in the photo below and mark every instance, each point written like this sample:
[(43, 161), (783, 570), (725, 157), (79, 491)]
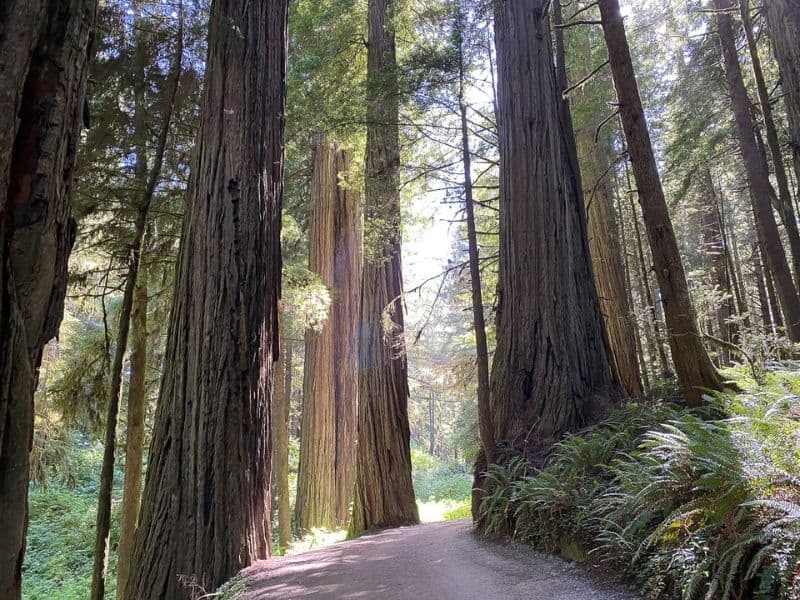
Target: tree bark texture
[(761, 191), (384, 495), (692, 364), (206, 504), (43, 70), (330, 386), (281, 409), (552, 372), (783, 21), (609, 270), (134, 438)]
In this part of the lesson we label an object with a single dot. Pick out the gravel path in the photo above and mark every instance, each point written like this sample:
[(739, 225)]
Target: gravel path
[(438, 561)]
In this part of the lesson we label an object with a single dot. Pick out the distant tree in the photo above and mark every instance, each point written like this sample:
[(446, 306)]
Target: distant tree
[(330, 387), (281, 411), (783, 20), (43, 72), (384, 495), (755, 165), (693, 365), (206, 504), (784, 195)]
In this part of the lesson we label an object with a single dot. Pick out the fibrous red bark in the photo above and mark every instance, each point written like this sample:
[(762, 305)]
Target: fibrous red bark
[(43, 70), (330, 387), (552, 372), (384, 495), (206, 505)]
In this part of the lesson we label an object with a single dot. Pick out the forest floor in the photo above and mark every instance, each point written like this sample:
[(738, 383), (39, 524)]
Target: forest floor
[(437, 561)]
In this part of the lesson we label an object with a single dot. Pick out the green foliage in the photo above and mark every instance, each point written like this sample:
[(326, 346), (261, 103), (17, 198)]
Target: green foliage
[(58, 559), (685, 503), (435, 479)]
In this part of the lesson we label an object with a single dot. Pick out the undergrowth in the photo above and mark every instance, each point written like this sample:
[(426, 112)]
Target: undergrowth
[(690, 504), (58, 558), (443, 488)]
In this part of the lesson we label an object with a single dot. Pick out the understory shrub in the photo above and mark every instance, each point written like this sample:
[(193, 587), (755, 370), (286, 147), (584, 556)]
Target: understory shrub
[(437, 479), (690, 504)]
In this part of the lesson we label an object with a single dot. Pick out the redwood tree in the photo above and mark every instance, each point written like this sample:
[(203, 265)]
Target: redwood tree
[(43, 71), (692, 364), (281, 412), (755, 165), (552, 372), (384, 495), (783, 20), (330, 387), (609, 269), (206, 505)]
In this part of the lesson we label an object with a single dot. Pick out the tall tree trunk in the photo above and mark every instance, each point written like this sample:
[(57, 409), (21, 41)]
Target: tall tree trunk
[(485, 419), (330, 388), (785, 207), (774, 302), (609, 274), (432, 423), (605, 251), (714, 251), (550, 375), (734, 276), (626, 265), (761, 192), (281, 409), (763, 300), (103, 523), (206, 504), (384, 495), (134, 442), (655, 351), (43, 70), (693, 366), (783, 20)]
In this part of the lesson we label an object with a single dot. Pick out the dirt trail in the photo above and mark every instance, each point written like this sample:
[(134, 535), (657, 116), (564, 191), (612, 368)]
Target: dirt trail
[(439, 561)]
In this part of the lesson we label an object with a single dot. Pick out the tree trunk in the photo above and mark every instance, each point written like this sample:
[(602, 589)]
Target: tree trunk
[(384, 495), (43, 70), (785, 208), (206, 504), (432, 424), (485, 419), (134, 443), (656, 346), (693, 366), (783, 21), (103, 522), (551, 374), (714, 251), (763, 300), (761, 192), (609, 274), (281, 409), (330, 388), (774, 303), (626, 265)]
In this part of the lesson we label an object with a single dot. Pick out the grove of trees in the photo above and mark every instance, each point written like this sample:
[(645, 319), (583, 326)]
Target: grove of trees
[(258, 254)]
